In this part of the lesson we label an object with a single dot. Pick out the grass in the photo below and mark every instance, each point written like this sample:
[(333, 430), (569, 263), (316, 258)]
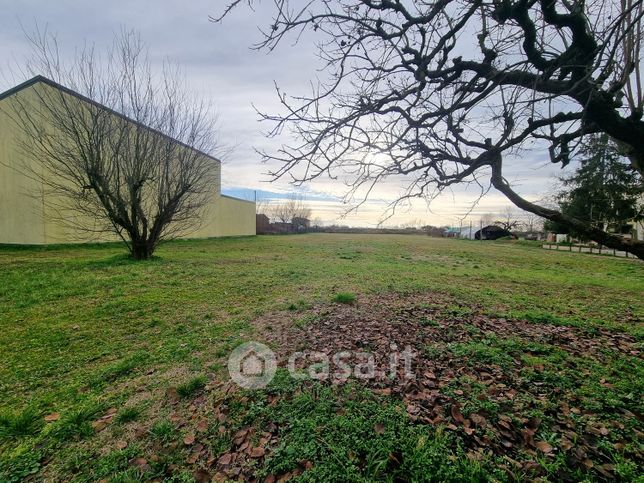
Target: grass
[(370, 439), (23, 423), (344, 298), (83, 329), (192, 386)]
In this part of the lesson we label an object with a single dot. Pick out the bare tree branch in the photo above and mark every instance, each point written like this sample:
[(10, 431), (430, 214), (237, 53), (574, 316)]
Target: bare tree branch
[(434, 94)]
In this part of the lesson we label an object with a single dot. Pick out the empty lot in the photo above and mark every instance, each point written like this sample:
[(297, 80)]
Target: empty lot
[(528, 362)]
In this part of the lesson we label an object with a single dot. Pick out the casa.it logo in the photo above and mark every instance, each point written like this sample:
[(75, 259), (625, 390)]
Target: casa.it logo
[(252, 365)]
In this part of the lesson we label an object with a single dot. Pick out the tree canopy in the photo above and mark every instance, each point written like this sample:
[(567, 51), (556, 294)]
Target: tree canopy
[(605, 191)]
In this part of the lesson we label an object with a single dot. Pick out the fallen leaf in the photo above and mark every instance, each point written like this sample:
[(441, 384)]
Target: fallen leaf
[(456, 413), (225, 459), (189, 439), (192, 458), (121, 444), (543, 447), (202, 476), (140, 462), (257, 452), (50, 418)]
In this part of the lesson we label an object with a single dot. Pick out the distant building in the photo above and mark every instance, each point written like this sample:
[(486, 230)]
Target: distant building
[(262, 223), (452, 233), (465, 232), (492, 232)]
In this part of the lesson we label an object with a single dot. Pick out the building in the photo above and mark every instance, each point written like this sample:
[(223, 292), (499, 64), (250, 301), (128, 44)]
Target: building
[(492, 232), (26, 214), (263, 223)]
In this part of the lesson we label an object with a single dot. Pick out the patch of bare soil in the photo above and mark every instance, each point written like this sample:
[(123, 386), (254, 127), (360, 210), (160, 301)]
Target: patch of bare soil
[(510, 388)]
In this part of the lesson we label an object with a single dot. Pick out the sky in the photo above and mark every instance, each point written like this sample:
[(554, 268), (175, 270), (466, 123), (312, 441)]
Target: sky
[(222, 67)]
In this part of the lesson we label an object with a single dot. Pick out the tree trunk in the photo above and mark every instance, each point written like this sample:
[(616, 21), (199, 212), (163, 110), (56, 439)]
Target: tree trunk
[(141, 250), (603, 238)]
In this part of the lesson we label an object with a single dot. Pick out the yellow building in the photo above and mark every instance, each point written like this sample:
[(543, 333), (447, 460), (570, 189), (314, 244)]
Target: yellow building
[(26, 215)]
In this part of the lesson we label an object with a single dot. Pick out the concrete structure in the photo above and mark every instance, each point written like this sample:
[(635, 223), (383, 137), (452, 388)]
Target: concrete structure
[(26, 215)]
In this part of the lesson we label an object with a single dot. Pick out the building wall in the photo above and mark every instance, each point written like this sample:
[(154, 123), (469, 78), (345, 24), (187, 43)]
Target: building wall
[(21, 197), (226, 216), (29, 215)]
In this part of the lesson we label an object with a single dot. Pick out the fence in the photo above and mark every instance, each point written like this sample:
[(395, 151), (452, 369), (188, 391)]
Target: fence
[(598, 250)]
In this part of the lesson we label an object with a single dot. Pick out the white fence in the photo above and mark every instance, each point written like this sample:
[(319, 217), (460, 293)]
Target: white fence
[(588, 249)]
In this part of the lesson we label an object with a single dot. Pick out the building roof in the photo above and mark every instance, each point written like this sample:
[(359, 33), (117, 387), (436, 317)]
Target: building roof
[(44, 80)]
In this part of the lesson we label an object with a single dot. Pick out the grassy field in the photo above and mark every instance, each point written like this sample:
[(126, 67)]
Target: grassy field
[(116, 370)]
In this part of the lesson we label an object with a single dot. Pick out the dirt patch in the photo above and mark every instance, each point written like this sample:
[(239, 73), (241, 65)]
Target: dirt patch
[(511, 388)]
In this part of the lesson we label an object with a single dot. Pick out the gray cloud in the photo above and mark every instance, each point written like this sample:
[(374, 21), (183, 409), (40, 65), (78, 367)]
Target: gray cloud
[(222, 67)]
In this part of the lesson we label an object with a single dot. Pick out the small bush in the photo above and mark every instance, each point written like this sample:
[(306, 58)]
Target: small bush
[(344, 298), (190, 387)]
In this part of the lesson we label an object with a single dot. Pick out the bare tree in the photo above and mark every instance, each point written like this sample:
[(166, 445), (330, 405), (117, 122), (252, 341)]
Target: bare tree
[(262, 205), (509, 219), (532, 222), (132, 158), (293, 207), (444, 92)]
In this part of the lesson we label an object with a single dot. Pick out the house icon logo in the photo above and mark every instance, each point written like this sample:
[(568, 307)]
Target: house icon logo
[(252, 365)]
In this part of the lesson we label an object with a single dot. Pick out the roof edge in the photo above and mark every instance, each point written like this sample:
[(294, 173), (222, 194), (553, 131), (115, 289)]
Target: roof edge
[(237, 199), (40, 78)]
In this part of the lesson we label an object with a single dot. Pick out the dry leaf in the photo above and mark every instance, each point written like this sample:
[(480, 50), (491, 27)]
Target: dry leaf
[(202, 476), (456, 413), (257, 452)]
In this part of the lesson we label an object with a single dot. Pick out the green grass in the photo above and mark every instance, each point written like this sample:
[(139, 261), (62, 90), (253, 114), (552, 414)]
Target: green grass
[(344, 298), (21, 423), (83, 329), (370, 439), (127, 415), (192, 386)]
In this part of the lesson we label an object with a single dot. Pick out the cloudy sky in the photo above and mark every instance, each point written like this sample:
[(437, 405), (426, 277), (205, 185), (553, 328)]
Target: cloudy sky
[(221, 66)]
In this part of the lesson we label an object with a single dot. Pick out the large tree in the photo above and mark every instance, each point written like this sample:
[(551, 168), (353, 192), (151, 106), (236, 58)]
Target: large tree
[(131, 156), (605, 191), (449, 91)]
